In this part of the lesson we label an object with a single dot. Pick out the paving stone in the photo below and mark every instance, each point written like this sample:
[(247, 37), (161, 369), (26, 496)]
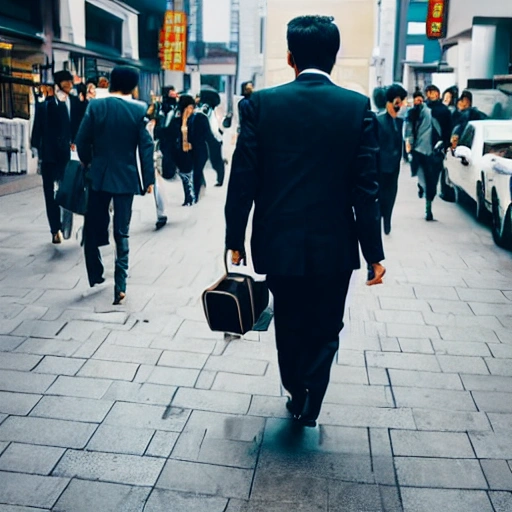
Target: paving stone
[(440, 473), (398, 304), (429, 419), (491, 445), (205, 380), (49, 347), (207, 479), (500, 350), (498, 474), (499, 367), (489, 296), (468, 334), (351, 416), (39, 328), (72, 408), (461, 364), (378, 376), (487, 383), (160, 500), (348, 375), (10, 326), (411, 331), (502, 501), (15, 508), (236, 365), (275, 506), (79, 387), (8, 343), (350, 357), (230, 382), (183, 359), (382, 456), (488, 401), (108, 370), (400, 317), (118, 439), (390, 345), (147, 416), (24, 382), (500, 422), (442, 399), (394, 291), (43, 431), (417, 379), (269, 406), (416, 346), (30, 490), (251, 350), (448, 445), (447, 500), (348, 496), (20, 362), (93, 343), (462, 321), (84, 496), (116, 468), (450, 307), (461, 348), (128, 339), (218, 401), (173, 376), (482, 309), (29, 458), (140, 393), (354, 394), (435, 292), (59, 365), (162, 444), (419, 362), (189, 345), (3, 446), (127, 354), (19, 404)]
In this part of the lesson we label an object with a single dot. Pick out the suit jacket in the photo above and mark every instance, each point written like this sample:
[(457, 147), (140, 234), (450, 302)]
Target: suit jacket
[(55, 129), (441, 113), (391, 142), (306, 157), (112, 131)]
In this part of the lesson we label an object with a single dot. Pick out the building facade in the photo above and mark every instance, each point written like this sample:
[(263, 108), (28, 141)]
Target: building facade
[(356, 20)]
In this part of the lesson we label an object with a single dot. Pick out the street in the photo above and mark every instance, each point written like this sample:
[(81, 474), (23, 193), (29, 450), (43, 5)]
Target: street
[(141, 408)]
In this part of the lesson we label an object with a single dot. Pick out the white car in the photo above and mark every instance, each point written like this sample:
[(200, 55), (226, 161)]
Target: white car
[(498, 193), (470, 167)]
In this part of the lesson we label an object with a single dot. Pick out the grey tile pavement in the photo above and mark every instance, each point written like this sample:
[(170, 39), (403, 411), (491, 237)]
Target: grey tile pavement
[(143, 408)]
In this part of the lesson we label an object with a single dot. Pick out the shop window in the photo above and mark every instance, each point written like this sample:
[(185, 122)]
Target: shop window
[(103, 29), (22, 10)]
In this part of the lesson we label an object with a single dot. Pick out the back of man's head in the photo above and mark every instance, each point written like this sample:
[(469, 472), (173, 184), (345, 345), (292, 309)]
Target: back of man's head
[(468, 96), (395, 91), (314, 42), (124, 79), (433, 88)]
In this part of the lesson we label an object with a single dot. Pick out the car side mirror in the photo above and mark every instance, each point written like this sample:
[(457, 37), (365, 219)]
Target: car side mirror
[(464, 154)]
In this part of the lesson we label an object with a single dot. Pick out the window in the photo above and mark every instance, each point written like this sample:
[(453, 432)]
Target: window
[(467, 137), (415, 53), (416, 28), (26, 11), (103, 29)]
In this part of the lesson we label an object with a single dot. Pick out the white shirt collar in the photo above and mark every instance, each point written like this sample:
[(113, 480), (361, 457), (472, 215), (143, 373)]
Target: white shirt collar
[(315, 71)]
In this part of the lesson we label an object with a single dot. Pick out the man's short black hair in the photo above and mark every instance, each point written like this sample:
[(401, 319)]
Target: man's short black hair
[(314, 42), (418, 94), (379, 97), (186, 100), (467, 95), (395, 91), (433, 88), (124, 79), (244, 86)]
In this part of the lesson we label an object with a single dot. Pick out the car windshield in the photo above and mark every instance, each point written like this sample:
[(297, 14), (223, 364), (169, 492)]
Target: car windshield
[(498, 140)]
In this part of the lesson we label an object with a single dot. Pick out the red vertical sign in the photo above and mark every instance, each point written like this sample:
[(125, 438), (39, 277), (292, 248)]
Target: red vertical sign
[(437, 19)]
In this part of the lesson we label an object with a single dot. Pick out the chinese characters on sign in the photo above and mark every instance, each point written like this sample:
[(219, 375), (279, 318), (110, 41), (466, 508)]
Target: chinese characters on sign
[(173, 41), (436, 19)]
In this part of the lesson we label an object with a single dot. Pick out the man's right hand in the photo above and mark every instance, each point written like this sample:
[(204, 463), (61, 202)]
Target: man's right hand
[(150, 189), (379, 272)]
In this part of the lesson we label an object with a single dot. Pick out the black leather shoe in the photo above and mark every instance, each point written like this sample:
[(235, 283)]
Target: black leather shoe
[(118, 299), (161, 223), (304, 421)]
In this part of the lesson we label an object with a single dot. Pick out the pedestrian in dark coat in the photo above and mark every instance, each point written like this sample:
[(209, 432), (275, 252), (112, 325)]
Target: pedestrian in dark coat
[(306, 158), (113, 130), (391, 148), (55, 128)]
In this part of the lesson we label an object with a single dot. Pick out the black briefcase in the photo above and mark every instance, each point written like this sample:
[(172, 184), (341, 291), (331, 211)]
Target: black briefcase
[(235, 303), (73, 191)]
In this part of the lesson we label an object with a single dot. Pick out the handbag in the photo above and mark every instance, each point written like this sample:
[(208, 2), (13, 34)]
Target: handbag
[(235, 303), (73, 191)]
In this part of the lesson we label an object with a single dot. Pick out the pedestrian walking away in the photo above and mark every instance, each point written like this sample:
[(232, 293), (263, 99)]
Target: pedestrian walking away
[(306, 157), (111, 133), (391, 147), (56, 124)]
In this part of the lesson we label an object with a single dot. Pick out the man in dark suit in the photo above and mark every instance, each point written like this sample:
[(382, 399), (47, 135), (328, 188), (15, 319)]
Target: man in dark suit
[(55, 127), (306, 157), (391, 142), (112, 132)]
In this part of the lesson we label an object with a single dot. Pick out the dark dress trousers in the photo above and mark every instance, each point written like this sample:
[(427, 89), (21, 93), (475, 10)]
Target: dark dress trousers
[(54, 131), (391, 145), (112, 133), (306, 157)]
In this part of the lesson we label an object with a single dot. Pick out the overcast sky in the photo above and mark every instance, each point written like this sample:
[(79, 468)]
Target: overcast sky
[(216, 20)]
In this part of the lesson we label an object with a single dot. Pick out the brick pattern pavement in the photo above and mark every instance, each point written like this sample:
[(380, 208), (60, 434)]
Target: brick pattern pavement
[(141, 408)]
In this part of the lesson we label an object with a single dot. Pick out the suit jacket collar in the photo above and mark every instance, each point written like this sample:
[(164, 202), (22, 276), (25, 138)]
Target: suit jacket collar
[(314, 76)]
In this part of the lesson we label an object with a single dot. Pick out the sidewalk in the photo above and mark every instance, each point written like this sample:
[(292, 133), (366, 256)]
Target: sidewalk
[(141, 408)]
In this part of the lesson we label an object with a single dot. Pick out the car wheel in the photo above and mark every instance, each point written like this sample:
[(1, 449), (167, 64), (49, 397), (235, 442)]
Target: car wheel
[(501, 238), (482, 214), (447, 190)]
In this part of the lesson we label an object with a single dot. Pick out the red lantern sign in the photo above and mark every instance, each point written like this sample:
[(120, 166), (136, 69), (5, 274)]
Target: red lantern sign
[(173, 41), (437, 18)]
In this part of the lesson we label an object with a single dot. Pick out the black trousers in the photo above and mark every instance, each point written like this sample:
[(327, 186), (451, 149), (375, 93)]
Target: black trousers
[(388, 193), (96, 225), (50, 174), (308, 314), (429, 171)]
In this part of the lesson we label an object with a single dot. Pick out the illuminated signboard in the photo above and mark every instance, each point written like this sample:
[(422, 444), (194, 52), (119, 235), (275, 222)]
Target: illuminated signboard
[(173, 41), (437, 19)]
